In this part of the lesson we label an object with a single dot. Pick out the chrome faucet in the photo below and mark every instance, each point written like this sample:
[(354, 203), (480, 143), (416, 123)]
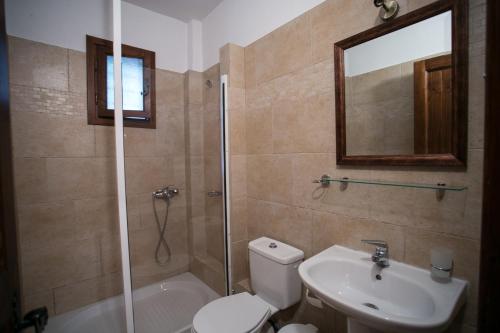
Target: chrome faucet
[(381, 254)]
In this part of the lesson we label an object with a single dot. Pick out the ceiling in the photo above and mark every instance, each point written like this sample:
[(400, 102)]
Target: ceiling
[(184, 10)]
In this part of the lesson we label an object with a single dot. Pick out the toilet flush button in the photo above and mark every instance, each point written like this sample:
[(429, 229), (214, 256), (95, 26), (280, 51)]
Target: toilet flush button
[(273, 245)]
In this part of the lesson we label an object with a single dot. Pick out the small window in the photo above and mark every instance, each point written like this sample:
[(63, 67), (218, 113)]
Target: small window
[(138, 85)]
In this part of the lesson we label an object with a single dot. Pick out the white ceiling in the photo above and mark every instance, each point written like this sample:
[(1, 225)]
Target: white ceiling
[(184, 10)]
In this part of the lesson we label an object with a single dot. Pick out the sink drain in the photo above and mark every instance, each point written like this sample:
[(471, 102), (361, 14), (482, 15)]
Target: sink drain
[(371, 306)]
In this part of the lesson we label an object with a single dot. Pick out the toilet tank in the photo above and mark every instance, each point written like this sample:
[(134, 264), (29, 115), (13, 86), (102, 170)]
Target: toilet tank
[(274, 271)]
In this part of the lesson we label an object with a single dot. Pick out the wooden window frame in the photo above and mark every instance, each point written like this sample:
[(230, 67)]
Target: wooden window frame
[(97, 112)]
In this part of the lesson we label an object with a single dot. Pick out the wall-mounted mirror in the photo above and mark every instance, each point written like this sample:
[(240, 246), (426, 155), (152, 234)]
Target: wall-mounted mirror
[(401, 90)]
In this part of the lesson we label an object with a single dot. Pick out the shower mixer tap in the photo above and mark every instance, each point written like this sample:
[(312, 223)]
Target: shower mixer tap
[(166, 193)]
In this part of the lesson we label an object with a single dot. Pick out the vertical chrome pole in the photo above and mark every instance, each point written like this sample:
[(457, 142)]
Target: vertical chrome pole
[(120, 166)]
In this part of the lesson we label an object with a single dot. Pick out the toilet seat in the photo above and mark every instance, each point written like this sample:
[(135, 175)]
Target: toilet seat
[(240, 313)]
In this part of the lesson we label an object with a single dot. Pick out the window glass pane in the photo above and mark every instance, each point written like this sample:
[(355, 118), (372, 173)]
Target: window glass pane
[(133, 84)]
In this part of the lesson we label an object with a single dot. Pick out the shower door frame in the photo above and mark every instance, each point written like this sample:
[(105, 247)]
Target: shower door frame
[(120, 167), (121, 179), (226, 190)]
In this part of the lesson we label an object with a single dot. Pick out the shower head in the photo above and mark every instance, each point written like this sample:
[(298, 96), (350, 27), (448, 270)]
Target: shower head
[(208, 83)]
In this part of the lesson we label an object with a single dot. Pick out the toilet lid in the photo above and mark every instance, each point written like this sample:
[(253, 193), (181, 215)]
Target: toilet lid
[(240, 313)]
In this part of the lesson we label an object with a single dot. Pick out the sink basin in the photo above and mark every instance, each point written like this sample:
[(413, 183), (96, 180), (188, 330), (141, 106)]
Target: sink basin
[(399, 298)]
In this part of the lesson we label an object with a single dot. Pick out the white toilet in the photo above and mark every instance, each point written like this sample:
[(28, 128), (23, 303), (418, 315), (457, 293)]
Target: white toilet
[(276, 282)]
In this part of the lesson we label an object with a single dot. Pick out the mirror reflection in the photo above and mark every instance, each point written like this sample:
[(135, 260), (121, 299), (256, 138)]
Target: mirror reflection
[(398, 91)]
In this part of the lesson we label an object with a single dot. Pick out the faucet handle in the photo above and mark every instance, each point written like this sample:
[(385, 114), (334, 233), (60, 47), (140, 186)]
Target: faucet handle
[(378, 243)]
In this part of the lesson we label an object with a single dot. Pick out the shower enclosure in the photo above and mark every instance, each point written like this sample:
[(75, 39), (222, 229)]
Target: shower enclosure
[(119, 180)]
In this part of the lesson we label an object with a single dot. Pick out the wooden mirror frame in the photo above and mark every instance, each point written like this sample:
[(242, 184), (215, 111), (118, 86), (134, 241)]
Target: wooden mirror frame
[(457, 158)]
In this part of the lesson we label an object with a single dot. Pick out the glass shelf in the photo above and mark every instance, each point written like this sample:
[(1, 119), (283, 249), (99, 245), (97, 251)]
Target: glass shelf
[(325, 180)]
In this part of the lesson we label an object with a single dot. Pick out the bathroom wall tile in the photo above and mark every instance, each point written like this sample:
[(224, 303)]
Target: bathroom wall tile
[(38, 299), (38, 65), (334, 229), (236, 97), (213, 207), (259, 130), (240, 260), (49, 101), (213, 175), (265, 58), (237, 131), (395, 205), (215, 233), (79, 178), (333, 21), (263, 95), (170, 137), (237, 66), (197, 164), (239, 218), (352, 201), (199, 236), (238, 169), (315, 134), (146, 274), (47, 223), (79, 294), (270, 177), (176, 215), (30, 179), (416, 4), (45, 135), (110, 253), (250, 80), (97, 216), (195, 86), (144, 174), (104, 141), (378, 85), (169, 88), (262, 221), (306, 168), (298, 226), (285, 123), (466, 260), (224, 58), (77, 71), (41, 267), (195, 129), (211, 94), (211, 130), (292, 45), (212, 277), (143, 245), (139, 142)]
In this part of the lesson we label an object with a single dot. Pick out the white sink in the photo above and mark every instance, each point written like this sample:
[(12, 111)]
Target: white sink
[(405, 299)]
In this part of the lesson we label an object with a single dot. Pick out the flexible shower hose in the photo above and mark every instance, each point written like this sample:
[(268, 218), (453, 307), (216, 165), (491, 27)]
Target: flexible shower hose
[(161, 230)]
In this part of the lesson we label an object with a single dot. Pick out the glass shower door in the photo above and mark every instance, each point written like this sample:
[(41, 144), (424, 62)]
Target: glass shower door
[(172, 176)]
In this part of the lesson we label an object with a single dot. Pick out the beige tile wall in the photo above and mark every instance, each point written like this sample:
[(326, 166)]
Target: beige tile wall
[(65, 182), (285, 138), (379, 111)]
